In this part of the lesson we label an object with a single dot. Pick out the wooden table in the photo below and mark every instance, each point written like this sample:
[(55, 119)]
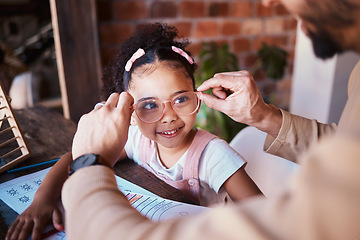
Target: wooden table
[(49, 135)]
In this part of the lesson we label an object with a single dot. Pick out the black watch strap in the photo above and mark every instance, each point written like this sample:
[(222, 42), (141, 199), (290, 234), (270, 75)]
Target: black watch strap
[(84, 161)]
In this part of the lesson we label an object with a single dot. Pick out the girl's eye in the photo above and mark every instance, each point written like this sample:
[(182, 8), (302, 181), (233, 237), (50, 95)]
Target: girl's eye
[(181, 99), (148, 105)]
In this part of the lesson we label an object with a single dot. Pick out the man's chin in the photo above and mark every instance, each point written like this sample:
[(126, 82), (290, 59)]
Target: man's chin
[(322, 54), (324, 49), (324, 46)]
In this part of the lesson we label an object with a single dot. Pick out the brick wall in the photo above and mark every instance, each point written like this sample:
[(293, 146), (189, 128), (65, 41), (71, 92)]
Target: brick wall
[(243, 24)]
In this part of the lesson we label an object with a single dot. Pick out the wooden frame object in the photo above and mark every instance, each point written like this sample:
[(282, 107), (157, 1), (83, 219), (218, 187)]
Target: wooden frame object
[(77, 55), (13, 148)]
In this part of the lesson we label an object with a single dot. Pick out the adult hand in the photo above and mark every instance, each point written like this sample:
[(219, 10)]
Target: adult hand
[(104, 130), (237, 95)]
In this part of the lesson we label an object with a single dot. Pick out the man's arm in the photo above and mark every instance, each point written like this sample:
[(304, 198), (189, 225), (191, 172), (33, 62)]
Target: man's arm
[(296, 136), (321, 203), (236, 94), (96, 209)]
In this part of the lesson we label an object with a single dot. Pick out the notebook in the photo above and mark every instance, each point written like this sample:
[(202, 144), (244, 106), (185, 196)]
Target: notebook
[(19, 193)]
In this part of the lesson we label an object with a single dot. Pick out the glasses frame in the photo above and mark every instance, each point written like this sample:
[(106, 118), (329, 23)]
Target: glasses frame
[(172, 106)]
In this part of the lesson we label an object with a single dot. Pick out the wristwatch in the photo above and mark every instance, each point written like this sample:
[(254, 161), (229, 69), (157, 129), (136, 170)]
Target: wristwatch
[(84, 161)]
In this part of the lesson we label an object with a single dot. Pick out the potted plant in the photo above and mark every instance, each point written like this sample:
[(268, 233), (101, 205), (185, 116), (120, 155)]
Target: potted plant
[(215, 59)]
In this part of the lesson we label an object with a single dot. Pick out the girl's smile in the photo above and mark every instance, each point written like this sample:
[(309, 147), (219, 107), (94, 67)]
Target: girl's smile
[(170, 133)]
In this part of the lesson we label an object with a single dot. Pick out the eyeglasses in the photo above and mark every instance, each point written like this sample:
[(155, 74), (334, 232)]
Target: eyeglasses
[(152, 110)]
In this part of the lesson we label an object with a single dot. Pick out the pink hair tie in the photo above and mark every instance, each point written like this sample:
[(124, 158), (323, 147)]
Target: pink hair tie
[(182, 53), (138, 54)]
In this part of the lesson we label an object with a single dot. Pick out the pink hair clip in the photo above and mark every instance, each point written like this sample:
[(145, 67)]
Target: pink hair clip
[(138, 54), (182, 53)]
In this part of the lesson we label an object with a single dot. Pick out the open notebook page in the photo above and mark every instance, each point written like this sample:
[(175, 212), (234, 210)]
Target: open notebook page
[(19, 193)]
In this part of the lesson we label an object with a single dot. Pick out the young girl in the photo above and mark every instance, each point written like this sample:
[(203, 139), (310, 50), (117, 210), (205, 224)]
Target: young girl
[(156, 70)]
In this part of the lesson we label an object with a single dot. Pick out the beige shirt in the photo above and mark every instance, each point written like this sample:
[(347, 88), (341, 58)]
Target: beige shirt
[(322, 202), (297, 134)]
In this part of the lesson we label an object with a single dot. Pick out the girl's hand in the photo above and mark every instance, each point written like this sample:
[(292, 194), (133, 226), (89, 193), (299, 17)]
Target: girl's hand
[(34, 219)]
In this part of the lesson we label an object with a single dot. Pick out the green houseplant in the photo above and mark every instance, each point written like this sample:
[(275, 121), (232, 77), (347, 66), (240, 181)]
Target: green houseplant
[(272, 60), (215, 58)]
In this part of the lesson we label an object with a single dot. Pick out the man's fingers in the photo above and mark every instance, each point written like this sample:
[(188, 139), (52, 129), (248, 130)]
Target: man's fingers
[(125, 100), (243, 73), (210, 83), (226, 80), (219, 92), (112, 101), (212, 102), (120, 101)]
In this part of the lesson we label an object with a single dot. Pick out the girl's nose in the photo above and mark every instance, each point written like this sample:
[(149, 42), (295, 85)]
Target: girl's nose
[(169, 114), (269, 3)]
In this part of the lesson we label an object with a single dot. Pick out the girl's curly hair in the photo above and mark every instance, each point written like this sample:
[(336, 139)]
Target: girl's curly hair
[(156, 40)]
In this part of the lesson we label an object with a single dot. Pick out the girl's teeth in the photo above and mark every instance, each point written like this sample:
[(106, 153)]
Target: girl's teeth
[(170, 132)]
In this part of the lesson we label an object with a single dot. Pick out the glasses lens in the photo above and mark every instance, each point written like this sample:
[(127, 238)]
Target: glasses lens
[(185, 103), (149, 110)]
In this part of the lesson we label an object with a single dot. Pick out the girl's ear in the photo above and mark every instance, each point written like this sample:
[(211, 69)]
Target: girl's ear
[(132, 120)]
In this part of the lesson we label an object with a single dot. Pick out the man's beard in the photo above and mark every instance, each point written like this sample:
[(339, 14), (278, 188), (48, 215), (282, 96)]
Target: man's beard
[(323, 44)]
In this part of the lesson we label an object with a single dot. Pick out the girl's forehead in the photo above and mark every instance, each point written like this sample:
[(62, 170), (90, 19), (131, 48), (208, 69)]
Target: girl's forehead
[(163, 82)]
